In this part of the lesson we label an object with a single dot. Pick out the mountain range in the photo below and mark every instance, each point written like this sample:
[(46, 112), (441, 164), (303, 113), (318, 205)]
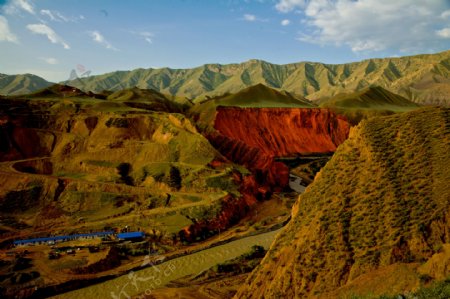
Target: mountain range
[(21, 84), (422, 79)]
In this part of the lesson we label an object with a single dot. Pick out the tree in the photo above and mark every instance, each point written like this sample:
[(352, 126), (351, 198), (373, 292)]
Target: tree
[(174, 178), (124, 170)]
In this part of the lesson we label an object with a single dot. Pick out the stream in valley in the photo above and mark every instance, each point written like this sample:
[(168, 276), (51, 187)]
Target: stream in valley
[(142, 281)]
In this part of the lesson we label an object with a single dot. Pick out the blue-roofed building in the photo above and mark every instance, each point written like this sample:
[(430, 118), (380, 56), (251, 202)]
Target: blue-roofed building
[(62, 238), (131, 236)]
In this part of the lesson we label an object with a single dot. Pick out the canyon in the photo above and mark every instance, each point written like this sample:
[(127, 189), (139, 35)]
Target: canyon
[(74, 162), (255, 137), (192, 176)]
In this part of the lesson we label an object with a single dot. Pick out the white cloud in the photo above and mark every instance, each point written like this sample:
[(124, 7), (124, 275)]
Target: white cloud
[(49, 32), (54, 15), (285, 22), (5, 33), (253, 18), (372, 25), (100, 39), (147, 36), (445, 14), (444, 33), (25, 5), (15, 6), (50, 60), (249, 18), (289, 5), (48, 13)]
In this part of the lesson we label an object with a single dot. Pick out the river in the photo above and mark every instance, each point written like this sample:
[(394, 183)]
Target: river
[(143, 281)]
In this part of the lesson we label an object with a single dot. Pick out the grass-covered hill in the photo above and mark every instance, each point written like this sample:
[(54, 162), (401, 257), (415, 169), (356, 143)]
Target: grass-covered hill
[(262, 96), (375, 220), (368, 102), (148, 99), (21, 84), (373, 97), (421, 78)]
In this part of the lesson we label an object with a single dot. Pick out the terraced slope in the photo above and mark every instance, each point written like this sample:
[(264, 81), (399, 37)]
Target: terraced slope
[(375, 220), (108, 164), (421, 78)]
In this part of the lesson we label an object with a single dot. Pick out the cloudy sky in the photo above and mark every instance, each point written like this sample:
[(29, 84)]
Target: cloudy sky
[(54, 38)]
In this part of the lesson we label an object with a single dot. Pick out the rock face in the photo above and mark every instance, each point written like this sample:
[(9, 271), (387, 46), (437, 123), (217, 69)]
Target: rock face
[(255, 136), (375, 213), (282, 132)]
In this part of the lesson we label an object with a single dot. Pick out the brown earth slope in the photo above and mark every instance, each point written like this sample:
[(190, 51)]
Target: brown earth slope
[(375, 220), (85, 164)]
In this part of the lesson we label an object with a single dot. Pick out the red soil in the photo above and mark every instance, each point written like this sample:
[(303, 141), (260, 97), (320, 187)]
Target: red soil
[(255, 136)]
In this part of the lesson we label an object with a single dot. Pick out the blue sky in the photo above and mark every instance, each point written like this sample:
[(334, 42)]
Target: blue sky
[(50, 38)]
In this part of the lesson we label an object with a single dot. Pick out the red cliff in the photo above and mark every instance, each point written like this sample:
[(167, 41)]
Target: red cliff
[(283, 132), (255, 136)]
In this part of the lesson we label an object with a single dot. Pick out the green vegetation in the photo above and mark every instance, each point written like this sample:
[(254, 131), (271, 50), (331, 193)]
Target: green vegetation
[(437, 290), (21, 84), (242, 264), (375, 98), (262, 96), (148, 99), (421, 78), (368, 102)]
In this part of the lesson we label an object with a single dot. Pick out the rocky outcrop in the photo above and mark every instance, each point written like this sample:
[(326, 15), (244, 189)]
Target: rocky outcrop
[(254, 137), (376, 211)]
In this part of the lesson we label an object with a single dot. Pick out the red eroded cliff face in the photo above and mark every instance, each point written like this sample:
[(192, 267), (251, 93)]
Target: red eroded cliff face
[(283, 132), (254, 137)]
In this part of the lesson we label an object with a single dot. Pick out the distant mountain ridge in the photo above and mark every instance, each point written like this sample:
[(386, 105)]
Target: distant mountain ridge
[(423, 79), (21, 84), (420, 78)]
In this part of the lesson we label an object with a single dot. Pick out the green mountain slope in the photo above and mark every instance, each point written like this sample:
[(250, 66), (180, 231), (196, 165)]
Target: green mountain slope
[(146, 99), (374, 221), (368, 102), (421, 78), (260, 95), (376, 98), (21, 84), (257, 96)]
